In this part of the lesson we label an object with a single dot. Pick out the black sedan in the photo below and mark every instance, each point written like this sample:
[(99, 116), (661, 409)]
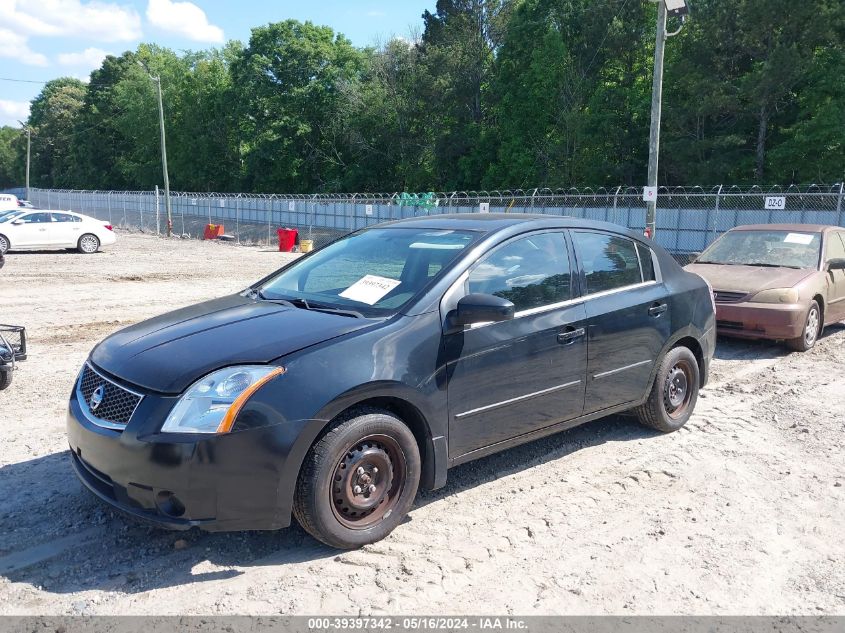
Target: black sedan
[(332, 389)]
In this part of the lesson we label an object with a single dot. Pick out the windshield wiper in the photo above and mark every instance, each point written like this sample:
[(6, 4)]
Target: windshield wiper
[(710, 261), (767, 265), (330, 310), (304, 304)]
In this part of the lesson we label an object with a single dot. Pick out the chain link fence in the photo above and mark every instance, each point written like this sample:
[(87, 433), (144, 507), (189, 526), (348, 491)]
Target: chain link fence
[(688, 218)]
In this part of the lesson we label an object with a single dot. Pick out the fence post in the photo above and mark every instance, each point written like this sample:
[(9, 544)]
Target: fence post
[(716, 212), (108, 201), (839, 202), (615, 195), (238, 218), (533, 193), (158, 222)]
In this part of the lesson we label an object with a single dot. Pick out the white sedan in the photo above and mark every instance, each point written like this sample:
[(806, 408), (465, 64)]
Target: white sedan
[(54, 229)]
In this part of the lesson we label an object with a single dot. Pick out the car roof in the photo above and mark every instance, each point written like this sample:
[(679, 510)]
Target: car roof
[(801, 228), (494, 222)]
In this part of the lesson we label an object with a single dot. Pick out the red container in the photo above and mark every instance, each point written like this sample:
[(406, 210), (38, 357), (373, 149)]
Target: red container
[(213, 231), (287, 239)]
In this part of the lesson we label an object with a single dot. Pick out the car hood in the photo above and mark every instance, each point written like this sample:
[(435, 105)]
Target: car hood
[(170, 352), (748, 279)]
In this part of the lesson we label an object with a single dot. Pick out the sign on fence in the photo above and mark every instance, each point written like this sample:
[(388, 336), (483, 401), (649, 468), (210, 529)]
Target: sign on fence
[(778, 203), (290, 205), (368, 209), (484, 207), (649, 194)]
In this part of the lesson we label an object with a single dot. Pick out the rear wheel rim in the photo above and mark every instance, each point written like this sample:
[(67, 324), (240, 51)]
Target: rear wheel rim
[(89, 243), (368, 481), (811, 330), (677, 389), (4, 245)]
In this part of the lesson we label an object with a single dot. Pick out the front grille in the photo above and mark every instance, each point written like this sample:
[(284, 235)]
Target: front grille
[(724, 296), (116, 405)]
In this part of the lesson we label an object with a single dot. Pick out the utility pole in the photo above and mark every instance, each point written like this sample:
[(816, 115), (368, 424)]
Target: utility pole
[(656, 110), (28, 147), (664, 7), (157, 80)]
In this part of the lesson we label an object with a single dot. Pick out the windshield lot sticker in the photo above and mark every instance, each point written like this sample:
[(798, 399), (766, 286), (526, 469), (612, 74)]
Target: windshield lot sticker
[(798, 238), (369, 289)]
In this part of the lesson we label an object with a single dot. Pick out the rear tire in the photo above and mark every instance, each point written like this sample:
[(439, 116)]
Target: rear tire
[(4, 244), (674, 393), (88, 244), (812, 330), (358, 480), (5, 378)]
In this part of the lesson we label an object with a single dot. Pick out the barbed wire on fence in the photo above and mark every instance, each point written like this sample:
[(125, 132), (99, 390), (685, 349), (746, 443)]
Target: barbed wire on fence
[(689, 217)]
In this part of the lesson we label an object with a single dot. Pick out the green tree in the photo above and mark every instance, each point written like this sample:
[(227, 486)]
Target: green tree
[(289, 82), (390, 127), (11, 161)]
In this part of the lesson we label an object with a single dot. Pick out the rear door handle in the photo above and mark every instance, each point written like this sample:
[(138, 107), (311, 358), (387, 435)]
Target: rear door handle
[(570, 335), (657, 309)]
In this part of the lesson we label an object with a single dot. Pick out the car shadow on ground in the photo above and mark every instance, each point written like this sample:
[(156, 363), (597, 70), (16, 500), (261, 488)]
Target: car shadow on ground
[(729, 348), (58, 251), (59, 538)]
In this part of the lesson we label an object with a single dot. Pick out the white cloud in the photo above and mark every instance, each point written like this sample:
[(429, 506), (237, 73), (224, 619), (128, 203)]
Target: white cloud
[(15, 47), (376, 14), (88, 59), (96, 19), (13, 111), (185, 19)]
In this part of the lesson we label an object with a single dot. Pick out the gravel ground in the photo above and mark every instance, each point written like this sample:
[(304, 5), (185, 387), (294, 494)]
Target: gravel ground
[(740, 512)]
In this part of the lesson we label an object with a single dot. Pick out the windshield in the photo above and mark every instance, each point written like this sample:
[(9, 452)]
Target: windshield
[(5, 216), (373, 273), (790, 249)]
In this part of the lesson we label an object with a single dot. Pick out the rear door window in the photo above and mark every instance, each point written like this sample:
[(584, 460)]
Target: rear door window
[(609, 261)]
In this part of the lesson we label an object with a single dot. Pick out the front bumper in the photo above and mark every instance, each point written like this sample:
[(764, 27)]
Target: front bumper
[(235, 481), (761, 320)]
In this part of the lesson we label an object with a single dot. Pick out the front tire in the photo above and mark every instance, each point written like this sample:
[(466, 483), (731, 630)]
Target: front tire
[(359, 480), (4, 244), (674, 393), (812, 330), (88, 244), (5, 378)]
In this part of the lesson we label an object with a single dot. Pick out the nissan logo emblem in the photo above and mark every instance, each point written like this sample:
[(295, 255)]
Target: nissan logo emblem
[(97, 397)]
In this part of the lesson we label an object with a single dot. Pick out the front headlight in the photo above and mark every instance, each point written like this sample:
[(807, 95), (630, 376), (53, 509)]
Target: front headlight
[(211, 404), (776, 295)]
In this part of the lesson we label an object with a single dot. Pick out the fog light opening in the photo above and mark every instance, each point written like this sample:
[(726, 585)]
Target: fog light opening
[(169, 504)]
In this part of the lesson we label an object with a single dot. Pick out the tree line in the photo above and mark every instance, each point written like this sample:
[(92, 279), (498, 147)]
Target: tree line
[(492, 94)]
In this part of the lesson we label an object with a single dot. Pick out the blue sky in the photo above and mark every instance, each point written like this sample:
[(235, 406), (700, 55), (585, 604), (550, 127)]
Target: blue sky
[(45, 39)]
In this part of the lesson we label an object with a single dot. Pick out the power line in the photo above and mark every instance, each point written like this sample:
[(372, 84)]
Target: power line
[(22, 81)]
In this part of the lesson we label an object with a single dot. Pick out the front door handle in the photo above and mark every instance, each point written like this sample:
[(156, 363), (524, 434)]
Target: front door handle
[(657, 309), (570, 335)]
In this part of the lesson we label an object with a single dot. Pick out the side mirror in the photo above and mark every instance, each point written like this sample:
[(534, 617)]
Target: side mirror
[(17, 222), (482, 308), (836, 264)]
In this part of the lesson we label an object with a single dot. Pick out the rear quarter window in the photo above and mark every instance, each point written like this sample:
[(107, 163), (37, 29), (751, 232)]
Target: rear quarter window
[(646, 262)]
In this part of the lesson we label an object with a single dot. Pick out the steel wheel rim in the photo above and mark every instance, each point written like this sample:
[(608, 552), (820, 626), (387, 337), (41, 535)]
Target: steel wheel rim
[(4, 245), (368, 481), (677, 389), (89, 244), (811, 330)]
